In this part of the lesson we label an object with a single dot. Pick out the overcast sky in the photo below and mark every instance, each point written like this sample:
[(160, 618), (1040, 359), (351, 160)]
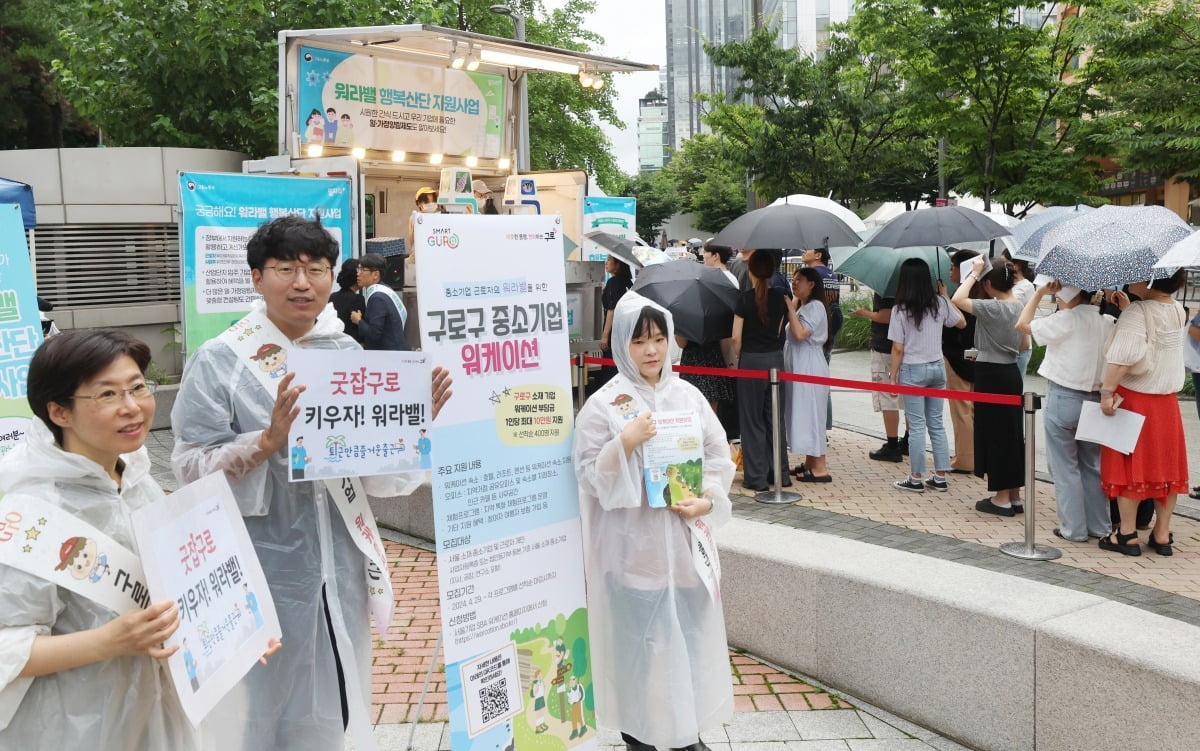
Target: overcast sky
[(634, 30)]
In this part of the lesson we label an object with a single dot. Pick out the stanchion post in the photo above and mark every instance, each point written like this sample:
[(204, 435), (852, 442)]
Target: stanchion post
[(778, 496), (581, 381), (1030, 403)]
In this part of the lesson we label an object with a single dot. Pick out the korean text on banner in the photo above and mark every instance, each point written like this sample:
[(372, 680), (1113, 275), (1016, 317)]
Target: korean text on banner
[(363, 413), (353, 100), (614, 216), (218, 214), (196, 551), (20, 329), (506, 506)]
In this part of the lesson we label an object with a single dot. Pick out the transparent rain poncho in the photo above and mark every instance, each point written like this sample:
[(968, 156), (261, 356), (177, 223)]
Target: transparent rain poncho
[(114, 705), (306, 553), (659, 650)]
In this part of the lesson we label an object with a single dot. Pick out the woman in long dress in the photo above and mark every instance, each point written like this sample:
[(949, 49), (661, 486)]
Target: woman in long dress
[(807, 403), (659, 653)]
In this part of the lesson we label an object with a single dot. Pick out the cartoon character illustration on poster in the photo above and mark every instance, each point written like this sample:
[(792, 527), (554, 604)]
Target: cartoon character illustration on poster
[(271, 359), (79, 556), (575, 700), (537, 692), (252, 605), (625, 406), (189, 664), (315, 132), (299, 459), (424, 448), (345, 132), (331, 125)]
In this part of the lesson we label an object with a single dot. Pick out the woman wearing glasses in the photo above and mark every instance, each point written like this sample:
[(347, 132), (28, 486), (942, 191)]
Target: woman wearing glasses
[(72, 673)]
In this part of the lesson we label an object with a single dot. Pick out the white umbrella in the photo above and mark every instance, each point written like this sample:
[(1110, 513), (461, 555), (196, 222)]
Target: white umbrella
[(1186, 252), (824, 204)]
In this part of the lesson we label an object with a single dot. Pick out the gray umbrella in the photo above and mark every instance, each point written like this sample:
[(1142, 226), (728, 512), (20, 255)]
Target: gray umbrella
[(701, 299), (941, 225), (619, 247), (1112, 245), (1028, 236), (786, 226)]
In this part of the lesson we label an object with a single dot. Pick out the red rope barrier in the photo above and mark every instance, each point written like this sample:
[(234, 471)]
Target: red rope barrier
[(1007, 400)]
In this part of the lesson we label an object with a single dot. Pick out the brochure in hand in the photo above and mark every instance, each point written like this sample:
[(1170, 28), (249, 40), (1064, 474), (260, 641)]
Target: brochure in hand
[(673, 459)]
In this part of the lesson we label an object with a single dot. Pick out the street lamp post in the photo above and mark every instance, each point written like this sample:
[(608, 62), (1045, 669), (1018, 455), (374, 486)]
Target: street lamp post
[(522, 92)]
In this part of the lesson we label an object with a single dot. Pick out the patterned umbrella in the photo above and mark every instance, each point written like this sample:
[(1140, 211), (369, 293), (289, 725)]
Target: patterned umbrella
[(1028, 237), (1112, 245)]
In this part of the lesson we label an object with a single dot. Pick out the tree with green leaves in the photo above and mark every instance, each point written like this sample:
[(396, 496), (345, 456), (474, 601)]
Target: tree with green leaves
[(658, 200), (1145, 63), (711, 182), (203, 73), (998, 81)]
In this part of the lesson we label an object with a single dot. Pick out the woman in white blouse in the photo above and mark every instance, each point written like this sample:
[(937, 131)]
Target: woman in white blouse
[(1143, 374), (1074, 339)]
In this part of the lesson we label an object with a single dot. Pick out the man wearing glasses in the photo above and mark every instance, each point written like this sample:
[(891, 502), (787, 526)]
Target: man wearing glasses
[(382, 327), (232, 417)]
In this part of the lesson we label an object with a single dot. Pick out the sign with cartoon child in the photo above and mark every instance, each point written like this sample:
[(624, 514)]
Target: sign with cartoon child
[(361, 413), (197, 552)]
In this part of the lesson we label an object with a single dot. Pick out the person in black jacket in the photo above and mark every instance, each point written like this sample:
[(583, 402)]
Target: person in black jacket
[(347, 299), (382, 326)]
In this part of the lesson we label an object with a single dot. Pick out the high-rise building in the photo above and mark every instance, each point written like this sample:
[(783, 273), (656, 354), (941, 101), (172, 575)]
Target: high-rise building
[(690, 24), (805, 23), (653, 135)]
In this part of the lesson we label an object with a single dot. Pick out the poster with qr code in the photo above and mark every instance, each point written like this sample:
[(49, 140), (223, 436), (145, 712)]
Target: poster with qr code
[(492, 687), (195, 550)]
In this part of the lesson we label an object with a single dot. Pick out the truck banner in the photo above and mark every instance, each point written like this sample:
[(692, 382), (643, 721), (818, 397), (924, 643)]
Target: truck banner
[(352, 100), (506, 505), (20, 327), (616, 216), (218, 214)]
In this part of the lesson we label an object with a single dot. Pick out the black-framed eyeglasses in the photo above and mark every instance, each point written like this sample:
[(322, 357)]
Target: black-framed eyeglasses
[(113, 397)]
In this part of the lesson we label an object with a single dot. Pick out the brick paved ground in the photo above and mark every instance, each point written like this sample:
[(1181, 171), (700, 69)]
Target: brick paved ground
[(401, 659)]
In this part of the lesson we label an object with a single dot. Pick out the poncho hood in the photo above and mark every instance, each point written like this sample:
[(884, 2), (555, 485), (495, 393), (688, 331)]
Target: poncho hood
[(625, 316)]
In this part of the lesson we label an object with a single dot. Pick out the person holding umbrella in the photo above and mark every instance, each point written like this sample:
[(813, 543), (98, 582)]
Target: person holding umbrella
[(1143, 374), (999, 434), (757, 325)]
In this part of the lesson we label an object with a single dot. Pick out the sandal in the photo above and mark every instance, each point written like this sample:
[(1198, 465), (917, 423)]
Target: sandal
[(810, 477), (1122, 545), (1160, 548)]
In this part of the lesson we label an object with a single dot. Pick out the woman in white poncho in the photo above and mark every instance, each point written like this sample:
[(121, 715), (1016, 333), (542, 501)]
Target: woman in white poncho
[(658, 633), (75, 673)]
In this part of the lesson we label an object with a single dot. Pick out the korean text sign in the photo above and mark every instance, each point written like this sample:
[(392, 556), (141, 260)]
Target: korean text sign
[(218, 214), (506, 507), (195, 550), (361, 413), (20, 329)]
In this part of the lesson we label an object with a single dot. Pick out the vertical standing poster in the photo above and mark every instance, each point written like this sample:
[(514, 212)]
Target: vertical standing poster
[(506, 506), (218, 214), (20, 327), (615, 216)]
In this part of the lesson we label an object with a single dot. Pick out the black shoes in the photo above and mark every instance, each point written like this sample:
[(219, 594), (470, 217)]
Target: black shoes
[(987, 507), (888, 452), (1123, 545), (1160, 548)]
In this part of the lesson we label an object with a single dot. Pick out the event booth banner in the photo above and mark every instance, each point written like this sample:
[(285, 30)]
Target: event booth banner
[(20, 327), (506, 506), (218, 214), (349, 100), (616, 216)]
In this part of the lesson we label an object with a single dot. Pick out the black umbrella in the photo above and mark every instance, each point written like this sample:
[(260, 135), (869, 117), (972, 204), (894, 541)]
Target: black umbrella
[(701, 299), (787, 226), (941, 225), (619, 247)]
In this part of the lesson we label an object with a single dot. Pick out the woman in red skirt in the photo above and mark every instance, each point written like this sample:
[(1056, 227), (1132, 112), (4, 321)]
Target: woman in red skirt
[(1143, 375)]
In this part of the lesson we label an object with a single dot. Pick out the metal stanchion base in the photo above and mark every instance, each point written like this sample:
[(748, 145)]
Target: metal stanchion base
[(774, 497), (1030, 552)]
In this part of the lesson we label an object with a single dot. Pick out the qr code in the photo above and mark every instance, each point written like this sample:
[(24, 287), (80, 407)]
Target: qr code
[(493, 700)]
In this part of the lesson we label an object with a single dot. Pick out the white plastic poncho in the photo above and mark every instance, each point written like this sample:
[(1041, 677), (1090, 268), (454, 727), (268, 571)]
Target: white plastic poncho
[(115, 705), (659, 649), (294, 702)]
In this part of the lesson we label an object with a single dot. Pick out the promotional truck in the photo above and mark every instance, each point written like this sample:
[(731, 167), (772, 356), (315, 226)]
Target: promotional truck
[(398, 109)]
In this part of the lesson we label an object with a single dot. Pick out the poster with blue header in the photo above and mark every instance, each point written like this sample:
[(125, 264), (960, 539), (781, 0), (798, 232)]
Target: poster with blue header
[(20, 327), (218, 214), (615, 216), (506, 505)]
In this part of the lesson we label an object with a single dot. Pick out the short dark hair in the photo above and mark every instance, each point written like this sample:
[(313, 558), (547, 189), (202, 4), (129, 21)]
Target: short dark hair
[(961, 255), (1169, 284), (348, 276), (65, 361), (824, 254), (724, 251), (289, 237), (1001, 276), (648, 318), (372, 262)]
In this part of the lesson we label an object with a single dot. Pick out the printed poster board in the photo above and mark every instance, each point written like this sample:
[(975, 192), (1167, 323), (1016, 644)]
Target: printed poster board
[(613, 215), (506, 506), (20, 327), (195, 550), (361, 413), (218, 214)]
